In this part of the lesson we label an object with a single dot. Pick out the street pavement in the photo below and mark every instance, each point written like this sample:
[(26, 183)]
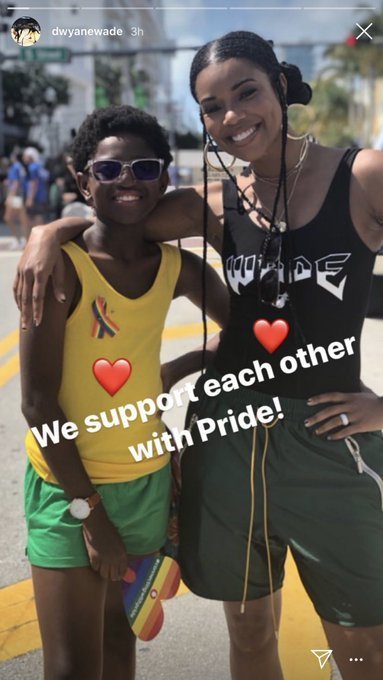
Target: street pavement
[(193, 644)]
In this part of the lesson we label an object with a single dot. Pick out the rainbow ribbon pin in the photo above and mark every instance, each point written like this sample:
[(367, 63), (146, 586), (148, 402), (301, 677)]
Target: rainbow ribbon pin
[(102, 322)]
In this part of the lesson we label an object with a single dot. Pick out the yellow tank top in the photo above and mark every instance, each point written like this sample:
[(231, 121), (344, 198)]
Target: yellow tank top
[(108, 325)]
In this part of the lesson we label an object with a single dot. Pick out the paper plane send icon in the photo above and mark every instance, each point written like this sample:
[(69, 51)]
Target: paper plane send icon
[(322, 655)]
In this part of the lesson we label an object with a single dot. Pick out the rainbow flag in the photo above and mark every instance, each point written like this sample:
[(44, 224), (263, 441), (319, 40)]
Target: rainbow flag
[(145, 584)]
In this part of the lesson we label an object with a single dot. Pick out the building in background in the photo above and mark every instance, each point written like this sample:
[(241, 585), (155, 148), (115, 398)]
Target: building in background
[(302, 56), (145, 78)]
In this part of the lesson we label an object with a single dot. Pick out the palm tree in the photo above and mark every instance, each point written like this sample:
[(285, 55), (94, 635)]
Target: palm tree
[(359, 62), (327, 116)]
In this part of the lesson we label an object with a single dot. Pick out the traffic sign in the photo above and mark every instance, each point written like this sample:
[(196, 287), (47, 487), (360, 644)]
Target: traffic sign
[(45, 55)]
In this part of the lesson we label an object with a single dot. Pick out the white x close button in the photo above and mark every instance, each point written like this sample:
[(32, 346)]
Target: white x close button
[(364, 31)]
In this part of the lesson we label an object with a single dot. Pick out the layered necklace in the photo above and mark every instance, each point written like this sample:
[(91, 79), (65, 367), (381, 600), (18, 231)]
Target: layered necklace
[(280, 225), (298, 165)]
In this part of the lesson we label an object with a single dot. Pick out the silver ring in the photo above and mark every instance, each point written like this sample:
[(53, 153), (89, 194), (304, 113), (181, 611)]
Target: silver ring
[(344, 419)]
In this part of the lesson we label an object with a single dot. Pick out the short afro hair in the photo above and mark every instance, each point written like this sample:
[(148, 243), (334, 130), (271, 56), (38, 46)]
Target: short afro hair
[(116, 121)]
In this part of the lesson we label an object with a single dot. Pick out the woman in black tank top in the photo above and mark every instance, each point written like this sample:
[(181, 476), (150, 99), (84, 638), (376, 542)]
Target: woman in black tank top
[(297, 231), (299, 277)]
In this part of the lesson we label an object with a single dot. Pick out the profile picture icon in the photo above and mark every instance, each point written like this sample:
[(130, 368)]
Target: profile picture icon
[(25, 31)]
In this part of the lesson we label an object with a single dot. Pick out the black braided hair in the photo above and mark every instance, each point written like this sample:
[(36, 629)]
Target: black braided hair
[(299, 334), (250, 46), (298, 92), (204, 253)]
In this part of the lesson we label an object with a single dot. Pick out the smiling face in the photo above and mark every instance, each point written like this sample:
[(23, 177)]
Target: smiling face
[(240, 108), (126, 200)]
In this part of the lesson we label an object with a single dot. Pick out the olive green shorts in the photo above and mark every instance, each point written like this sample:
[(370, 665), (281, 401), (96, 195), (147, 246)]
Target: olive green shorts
[(138, 509), (318, 504)]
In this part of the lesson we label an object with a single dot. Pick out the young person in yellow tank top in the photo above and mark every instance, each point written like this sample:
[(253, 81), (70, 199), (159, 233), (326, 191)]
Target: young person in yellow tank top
[(90, 506)]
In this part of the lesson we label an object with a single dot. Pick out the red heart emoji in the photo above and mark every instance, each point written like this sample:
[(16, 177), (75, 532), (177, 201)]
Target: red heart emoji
[(112, 376), (271, 335)]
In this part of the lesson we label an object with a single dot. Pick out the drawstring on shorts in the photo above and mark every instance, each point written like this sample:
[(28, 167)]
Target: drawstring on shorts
[(251, 520)]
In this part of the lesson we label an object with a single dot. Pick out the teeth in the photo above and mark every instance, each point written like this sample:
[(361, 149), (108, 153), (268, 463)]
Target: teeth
[(127, 199), (243, 135)]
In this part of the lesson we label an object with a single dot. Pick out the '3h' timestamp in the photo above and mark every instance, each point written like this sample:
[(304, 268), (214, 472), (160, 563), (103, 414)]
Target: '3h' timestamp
[(136, 31)]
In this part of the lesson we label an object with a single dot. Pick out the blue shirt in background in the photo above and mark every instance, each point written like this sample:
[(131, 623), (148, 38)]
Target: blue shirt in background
[(36, 171)]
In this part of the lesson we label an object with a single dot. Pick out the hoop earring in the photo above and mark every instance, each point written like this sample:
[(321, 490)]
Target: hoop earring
[(297, 138), (217, 168)]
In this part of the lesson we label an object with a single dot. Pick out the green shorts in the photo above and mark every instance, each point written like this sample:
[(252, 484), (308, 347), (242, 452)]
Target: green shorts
[(138, 509), (318, 504)]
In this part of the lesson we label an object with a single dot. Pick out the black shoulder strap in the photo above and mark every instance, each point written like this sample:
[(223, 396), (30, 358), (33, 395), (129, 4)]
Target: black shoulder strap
[(230, 195), (350, 156)]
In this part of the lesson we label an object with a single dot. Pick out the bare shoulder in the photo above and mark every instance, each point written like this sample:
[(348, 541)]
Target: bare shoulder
[(367, 197), (325, 157), (368, 166), (368, 183)]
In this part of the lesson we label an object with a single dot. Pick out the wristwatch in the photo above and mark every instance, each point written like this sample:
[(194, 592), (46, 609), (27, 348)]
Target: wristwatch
[(80, 508)]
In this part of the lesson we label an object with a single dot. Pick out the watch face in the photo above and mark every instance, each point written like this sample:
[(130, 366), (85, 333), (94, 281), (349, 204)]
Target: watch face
[(79, 508)]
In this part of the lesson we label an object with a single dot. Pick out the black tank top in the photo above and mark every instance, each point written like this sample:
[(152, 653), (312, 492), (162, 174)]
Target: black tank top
[(332, 270)]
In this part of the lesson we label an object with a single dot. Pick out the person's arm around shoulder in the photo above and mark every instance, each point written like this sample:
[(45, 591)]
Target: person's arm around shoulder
[(190, 285), (41, 358), (42, 258), (179, 214)]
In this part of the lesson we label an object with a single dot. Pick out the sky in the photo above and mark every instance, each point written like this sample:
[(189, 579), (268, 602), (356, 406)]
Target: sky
[(332, 20), (289, 20), (194, 22)]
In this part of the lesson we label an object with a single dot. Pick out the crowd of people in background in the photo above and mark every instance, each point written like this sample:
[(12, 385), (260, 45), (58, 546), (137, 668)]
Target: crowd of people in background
[(35, 191)]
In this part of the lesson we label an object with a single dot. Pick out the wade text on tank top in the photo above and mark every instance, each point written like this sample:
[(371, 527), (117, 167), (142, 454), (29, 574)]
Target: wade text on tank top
[(331, 270)]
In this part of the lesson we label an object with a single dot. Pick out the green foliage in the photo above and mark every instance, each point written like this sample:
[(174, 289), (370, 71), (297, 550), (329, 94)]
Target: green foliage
[(327, 117), (24, 87), (366, 56), (335, 116)]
